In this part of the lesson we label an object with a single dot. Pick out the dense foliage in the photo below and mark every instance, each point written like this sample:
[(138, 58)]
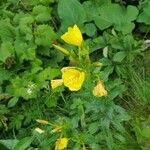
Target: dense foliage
[(33, 114)]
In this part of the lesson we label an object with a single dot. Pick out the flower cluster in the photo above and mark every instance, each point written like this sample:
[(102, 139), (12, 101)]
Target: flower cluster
[(71, 77)]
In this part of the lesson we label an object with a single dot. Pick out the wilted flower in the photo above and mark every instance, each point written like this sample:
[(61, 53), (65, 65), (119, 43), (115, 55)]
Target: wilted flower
[(61, 143), (73, 36), (55, 83), (40, 131), (57, 129), (99, 90), (73, 79), (42, 121)]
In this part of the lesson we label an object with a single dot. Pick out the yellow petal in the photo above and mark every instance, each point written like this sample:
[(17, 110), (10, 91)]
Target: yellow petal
[(99, 90), (73, 36), (56, 83), (73, 79), (61, 143), (66, 68)]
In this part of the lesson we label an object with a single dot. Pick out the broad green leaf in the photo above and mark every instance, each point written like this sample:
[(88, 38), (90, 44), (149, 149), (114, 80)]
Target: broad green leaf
[(9, 144), (71, 12), (91, 10), (144, 17), (23, 144), (119, 56), (117, 16), (45, 35)]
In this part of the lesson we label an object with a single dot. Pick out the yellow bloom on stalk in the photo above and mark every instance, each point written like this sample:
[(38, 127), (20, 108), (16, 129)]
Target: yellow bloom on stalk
[(99, 90), (56, 83), (73, 36), (73, 79), (61, 143)]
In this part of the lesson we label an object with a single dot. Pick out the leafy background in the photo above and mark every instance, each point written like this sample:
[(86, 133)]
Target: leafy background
[(117, 33)]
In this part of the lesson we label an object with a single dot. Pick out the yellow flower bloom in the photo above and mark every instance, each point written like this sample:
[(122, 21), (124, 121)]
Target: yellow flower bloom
[(56, 83), (73, 79), (61, 143), (73, 36), (99, 90)]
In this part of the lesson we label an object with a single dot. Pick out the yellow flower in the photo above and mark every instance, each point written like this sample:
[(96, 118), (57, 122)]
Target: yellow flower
[(99, 90), (73, 79), (73, 36), (56, 83), (61, 143)]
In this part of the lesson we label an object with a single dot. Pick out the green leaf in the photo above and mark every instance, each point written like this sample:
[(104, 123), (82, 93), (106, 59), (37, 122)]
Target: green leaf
[(90, 29), (117, 16), (91, 10), (24, 51), (71, 12), (23, 87), (24, 143), (36, 2), (45, 35), (4, 75), (6, 50), (42, 13), (119, 56), (25, 26), (47, 74), (93, 127), (3, 109), (144, 17), (9, 144), (6, 30), (12, 102)]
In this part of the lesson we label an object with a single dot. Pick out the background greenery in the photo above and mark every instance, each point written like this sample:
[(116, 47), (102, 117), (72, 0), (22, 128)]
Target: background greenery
[(117, 33)]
